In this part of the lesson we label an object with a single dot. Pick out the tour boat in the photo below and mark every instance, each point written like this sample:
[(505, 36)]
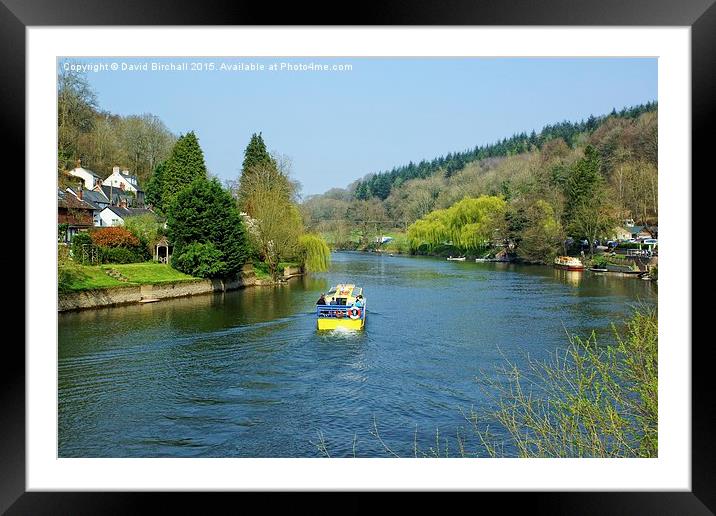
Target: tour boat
[(344, 308), (456, 259), (568, 263)]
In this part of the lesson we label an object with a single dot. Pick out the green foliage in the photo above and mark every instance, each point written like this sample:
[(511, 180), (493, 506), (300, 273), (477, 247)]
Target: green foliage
[(155, 188), (62, 231), (380, 184), (469, 225), (202, 260), (146, 228), (123, 254), (204, 213), (583, 183), (542, 235), (184, 165), (275, 223), (80, 244), (76, 109), (314, 253), (256, 154), (587, 401)]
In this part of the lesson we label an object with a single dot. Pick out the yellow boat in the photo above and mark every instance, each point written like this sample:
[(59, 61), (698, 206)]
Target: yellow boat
[(344, 308)]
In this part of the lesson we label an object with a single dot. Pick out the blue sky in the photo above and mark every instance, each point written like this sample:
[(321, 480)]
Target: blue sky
[(337, 126)]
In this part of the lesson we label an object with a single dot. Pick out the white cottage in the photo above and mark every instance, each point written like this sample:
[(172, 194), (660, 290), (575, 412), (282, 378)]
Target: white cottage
[(122, 180), (89, 178), (116, 215)]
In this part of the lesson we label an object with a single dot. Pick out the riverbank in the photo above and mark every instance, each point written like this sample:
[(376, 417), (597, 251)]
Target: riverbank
[(157, 286)]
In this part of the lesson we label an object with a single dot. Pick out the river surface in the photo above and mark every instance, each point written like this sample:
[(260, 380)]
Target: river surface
[(246, 374)]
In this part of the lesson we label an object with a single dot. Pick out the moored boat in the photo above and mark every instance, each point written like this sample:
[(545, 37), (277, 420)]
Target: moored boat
[(345, 307), (568, 263), (456, 258)]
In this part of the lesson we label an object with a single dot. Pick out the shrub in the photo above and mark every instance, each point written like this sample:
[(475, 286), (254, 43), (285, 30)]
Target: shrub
[(114, 237), (590, 400), (123, 254), (81, 244), (202, 260), (146, 228)]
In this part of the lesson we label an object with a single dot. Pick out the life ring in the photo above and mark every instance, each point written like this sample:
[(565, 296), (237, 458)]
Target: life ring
[(339, 314), (354, 313)]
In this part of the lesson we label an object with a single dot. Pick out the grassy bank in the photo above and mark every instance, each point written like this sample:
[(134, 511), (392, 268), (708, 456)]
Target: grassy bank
[(74, 277)]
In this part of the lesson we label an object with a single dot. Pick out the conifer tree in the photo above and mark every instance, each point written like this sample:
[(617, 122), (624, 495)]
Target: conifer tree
[(155, 188), (256, 154), (185, 164), (207, 231)]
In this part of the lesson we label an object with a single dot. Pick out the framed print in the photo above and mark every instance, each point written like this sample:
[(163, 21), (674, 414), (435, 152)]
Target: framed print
[(418, 252)]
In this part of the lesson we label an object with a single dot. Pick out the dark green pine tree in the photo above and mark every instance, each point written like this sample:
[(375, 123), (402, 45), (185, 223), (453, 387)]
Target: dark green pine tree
[(207, 231), (584, 181), (155, 187), (185, 164), (256, 154)]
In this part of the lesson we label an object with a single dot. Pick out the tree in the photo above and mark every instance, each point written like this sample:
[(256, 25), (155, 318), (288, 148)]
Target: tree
[(265, 196), (184, 165), (470, 225), (541, 234), (146, 228), (155, 188), (145, 141), (205, 213), (593, 220), (76, 109), (314, 252), (256, 154), (584, 180)]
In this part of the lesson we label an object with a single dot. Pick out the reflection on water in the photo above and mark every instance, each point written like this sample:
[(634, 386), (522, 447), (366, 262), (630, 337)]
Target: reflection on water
[(246, 374)]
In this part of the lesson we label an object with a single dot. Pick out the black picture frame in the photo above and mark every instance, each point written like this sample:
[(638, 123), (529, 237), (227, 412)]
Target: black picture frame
[(16, 15)]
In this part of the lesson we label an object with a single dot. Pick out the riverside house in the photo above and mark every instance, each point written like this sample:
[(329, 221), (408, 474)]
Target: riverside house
[(118, 215), (119, 185), (76, 213)]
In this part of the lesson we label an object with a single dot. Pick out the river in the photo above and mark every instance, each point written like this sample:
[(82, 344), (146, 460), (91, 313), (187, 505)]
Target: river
[(246, 374)]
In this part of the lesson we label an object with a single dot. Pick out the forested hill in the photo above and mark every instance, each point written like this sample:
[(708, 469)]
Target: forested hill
[(380, 185)]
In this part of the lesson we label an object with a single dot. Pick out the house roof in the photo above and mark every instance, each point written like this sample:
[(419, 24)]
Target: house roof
[(80, 169), (91, 196), (68, 201), (115, 192), (128, 212)]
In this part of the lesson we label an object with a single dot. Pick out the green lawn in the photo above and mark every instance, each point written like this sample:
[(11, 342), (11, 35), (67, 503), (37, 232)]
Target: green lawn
[(149, 273), (90, 277)]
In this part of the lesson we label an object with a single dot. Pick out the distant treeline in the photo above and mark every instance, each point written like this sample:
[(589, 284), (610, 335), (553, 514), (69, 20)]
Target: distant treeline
[(380, 185)]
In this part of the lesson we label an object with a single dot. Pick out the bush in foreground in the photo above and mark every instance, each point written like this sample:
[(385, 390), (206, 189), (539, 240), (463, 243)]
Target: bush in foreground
[(588, 400)]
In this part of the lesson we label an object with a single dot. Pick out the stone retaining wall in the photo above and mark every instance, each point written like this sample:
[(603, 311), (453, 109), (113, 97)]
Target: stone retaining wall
[(136, 293)]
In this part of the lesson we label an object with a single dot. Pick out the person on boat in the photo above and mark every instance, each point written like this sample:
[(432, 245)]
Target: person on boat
[(358, 302), (321, 300), (333, 301)]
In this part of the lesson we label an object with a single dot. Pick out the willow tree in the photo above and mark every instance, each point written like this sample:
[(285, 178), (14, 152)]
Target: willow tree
[(470, 225), (314, 252)]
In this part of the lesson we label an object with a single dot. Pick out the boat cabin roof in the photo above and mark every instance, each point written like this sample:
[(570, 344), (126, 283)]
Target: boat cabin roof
[(344, 290)]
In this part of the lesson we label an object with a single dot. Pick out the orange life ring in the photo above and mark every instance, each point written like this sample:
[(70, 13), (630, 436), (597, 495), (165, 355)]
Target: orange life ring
[(339, 314), (354, 313)]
